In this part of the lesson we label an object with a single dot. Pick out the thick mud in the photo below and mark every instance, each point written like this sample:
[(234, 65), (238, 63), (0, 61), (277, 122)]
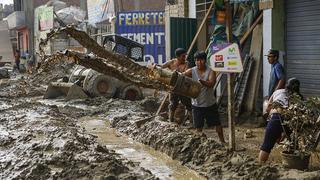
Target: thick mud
[(41, 139), (159, 164), (40, 142), (198, 152)]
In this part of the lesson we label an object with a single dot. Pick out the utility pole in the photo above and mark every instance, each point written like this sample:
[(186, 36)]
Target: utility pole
[(231, 123)]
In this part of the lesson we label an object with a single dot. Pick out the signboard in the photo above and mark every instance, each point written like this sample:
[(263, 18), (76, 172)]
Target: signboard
[(265, 4), (45, 15), (99, 10), (227, 59), (147, 28)]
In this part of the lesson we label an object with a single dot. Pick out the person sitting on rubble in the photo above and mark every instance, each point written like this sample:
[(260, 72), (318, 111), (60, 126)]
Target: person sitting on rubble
[(204, 107), (275, 131), (178, 64)]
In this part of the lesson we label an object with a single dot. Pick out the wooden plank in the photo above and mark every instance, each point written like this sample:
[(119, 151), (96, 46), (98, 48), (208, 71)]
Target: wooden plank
[(255, 77), (200, 28), (265, 4), (162, 103), (245, 36)]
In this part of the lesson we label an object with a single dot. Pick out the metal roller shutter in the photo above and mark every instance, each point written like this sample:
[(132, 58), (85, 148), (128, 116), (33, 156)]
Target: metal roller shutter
[(303, 44)]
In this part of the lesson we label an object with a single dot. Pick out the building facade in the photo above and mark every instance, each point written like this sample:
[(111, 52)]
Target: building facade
[(293, 28), (22, 21)]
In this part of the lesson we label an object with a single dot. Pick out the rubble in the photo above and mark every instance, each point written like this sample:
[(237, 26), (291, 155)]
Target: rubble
[(31, 85)]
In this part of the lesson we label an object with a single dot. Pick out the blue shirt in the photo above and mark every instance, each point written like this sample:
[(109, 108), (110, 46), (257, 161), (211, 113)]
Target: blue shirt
[(276, 74)]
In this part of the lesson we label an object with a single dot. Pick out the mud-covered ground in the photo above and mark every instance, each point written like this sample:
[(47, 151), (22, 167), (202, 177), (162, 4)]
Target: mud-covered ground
[(42, 140)]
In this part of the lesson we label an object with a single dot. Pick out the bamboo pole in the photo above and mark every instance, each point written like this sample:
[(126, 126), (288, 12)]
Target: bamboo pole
[(246, 35), (232, 143), (200, 28)]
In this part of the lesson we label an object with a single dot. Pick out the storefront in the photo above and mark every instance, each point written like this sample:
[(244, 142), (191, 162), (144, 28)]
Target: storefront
[(303, 44)]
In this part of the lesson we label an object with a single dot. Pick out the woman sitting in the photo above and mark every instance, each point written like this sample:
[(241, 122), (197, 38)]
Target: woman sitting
[(274, 128)]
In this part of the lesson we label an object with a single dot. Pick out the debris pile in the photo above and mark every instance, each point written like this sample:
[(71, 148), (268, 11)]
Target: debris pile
[(31, 85)]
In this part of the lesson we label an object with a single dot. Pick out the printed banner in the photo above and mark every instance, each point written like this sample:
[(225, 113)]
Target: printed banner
[(227, 59), (147, 28), (45, 18)]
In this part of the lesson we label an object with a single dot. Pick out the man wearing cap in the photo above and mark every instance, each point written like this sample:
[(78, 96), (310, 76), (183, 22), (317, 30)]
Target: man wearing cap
[(178, 64), (277, 74)]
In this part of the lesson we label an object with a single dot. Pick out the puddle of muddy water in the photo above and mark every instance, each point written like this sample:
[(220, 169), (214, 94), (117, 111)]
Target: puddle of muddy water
[(161, 165)]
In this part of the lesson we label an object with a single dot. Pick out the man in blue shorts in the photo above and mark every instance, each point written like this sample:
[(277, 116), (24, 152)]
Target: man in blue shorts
[(204, 107)]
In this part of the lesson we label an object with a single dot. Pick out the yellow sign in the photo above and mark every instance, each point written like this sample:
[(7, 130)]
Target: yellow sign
[(232, 63)]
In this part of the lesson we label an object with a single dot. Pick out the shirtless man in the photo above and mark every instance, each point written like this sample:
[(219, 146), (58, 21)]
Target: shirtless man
[(178, 64)]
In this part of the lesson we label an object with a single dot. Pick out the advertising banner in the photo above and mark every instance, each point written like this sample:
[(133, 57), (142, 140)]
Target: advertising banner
[(45, 15), (227, 59), (147, 28)]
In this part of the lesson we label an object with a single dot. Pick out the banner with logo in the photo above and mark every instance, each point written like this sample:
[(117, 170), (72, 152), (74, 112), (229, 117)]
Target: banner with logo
[(227, 59)]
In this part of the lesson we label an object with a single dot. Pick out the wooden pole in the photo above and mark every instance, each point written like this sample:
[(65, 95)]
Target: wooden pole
[(232, 143), (162, 103), (246, 35), (200, 28)]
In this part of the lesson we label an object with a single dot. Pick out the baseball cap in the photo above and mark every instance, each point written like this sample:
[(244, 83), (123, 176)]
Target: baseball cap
[(273, 52)]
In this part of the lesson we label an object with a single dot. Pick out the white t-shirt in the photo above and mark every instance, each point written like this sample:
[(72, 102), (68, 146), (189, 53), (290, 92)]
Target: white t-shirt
[(281, 97)]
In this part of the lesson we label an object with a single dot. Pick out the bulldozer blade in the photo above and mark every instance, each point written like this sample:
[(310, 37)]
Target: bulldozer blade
[(66, 90)]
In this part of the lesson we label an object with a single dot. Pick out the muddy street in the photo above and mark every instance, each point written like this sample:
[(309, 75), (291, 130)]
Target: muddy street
[(98, 138), (39, 142)]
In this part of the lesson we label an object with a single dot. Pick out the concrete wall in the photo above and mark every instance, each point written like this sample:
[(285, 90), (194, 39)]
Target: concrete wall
[(28, 8), (5, 46), (192, 8), (267, 44), (273, 38), (278, 25)]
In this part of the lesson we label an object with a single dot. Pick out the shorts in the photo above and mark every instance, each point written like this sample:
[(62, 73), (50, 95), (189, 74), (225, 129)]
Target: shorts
[(210, 114), (273, 133)]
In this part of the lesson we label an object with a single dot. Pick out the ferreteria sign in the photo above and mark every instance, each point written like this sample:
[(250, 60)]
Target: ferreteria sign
[(227, 59), (147, 28)]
